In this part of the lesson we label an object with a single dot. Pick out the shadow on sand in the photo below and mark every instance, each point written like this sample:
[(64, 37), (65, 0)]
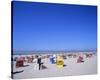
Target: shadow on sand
[(17, 72), (25, 65)]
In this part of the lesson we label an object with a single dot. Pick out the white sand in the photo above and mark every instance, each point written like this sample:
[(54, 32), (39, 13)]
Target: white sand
[(72, 68)]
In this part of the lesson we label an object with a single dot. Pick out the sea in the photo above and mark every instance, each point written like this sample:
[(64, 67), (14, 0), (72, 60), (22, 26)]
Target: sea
[(51, 52)]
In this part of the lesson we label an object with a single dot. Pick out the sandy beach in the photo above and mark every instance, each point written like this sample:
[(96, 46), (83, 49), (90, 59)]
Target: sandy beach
[(72, 68)]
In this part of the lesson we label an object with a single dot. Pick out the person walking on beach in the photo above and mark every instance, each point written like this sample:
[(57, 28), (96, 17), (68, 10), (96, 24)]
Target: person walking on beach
[(39, 62)]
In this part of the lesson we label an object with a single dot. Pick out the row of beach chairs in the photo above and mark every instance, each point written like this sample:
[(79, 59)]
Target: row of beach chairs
[(29, 59)]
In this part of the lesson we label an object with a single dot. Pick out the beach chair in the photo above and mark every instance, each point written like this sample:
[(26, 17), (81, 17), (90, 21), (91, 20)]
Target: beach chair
[(19, 62), (64, 56), (89, 55), (80, 59), (60, 62), (52, 60), (29, 59), (22, 58), (74, 56), (69, 55)]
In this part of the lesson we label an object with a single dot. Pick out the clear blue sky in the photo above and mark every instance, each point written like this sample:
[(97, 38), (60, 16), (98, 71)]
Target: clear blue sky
[(44, 26)]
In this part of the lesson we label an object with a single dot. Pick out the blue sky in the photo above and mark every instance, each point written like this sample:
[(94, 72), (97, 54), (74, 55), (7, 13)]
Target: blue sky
[(43, 26)]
